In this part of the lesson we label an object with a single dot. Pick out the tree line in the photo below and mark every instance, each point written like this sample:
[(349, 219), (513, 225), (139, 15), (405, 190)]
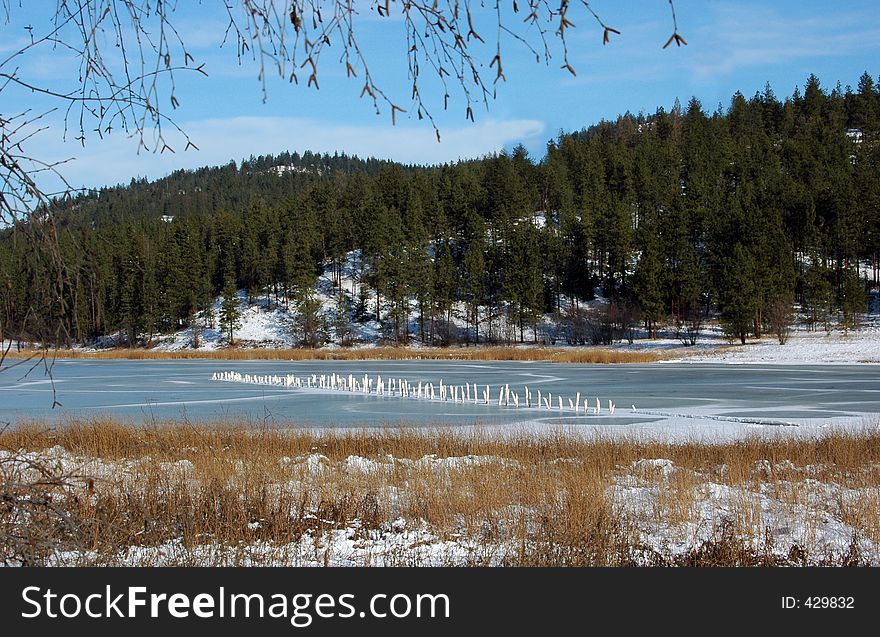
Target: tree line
[(745, 212)]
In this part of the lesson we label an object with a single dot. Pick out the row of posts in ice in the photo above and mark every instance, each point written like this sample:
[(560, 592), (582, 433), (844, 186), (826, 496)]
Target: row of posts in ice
[(402, 388)]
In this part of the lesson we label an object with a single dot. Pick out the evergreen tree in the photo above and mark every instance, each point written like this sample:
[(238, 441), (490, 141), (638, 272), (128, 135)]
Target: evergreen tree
[(230, 314), (738, 293), (474, 275), (818, 293), (523, 285), (309, 324), (854, 301), (444, 290), (648, 281)]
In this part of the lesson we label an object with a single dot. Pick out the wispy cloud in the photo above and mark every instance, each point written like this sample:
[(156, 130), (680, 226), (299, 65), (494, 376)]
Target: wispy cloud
[(738, 37), (115, 160)]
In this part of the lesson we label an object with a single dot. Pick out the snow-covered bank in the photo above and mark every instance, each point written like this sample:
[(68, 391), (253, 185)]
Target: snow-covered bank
[(803, 347), (265, 327)]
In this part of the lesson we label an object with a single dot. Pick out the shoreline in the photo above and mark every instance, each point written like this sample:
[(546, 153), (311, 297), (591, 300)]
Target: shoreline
[(474, 353), (801, 348)]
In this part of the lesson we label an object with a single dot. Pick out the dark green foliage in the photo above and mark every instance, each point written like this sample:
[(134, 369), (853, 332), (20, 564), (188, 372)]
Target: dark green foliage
[(743, 214), (523, 285), (738, 295), (648, 281)]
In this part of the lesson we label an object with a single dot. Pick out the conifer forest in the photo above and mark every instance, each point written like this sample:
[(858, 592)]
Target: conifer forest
[(760, 212)]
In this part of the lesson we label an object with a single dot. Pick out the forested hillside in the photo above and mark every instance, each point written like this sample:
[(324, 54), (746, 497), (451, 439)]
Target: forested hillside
[(744, 213)]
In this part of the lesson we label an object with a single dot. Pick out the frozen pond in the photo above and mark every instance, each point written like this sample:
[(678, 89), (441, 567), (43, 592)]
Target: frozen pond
[(703, 395)]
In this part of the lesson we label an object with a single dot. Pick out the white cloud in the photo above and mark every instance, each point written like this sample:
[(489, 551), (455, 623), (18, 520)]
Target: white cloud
[(757, 36), (116, 160)]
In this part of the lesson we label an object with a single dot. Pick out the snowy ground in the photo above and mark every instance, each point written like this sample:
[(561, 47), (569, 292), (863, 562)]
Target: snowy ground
[(263, 327), (268, 325), (861, 346)]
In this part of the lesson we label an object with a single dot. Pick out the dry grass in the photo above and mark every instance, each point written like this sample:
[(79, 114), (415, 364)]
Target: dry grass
[(215, 492), (835, 456), (529, 353)]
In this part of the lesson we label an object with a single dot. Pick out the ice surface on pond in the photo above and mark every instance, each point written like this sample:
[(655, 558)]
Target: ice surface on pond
[(681, 400)]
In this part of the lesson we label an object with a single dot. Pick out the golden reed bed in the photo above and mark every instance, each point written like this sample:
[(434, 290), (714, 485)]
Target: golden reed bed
[(551, 354)]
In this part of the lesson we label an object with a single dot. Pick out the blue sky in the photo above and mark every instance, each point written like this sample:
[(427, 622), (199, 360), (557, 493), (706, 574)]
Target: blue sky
[(731, 46)]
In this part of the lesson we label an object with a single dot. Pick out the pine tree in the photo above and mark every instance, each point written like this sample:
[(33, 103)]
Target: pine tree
[(421, 283), (444, 290), (738, 301), (818, 293), (131, 300), (473, 276), (524, 281), (230, 314), (309, 324), (854, 301), (648, 280)]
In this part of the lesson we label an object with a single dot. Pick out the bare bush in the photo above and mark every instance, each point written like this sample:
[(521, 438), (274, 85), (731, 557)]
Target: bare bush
[(37, 515), (780, 318), (687, 329)]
